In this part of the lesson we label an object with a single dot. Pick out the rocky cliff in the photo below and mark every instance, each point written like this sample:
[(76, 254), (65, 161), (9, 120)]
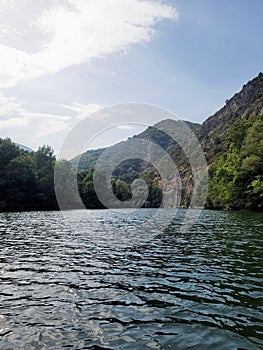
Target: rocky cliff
[(247, 102)]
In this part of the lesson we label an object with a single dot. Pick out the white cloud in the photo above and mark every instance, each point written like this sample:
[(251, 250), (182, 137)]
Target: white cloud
[(82, 110), (33, 129), (9, 105), (125, 127), (72, 32), (47, 36)]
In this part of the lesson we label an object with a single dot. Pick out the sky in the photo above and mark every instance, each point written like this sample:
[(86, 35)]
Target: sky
[(61, 60)]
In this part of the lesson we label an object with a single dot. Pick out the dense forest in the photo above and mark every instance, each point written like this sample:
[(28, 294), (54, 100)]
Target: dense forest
[(232, 140)]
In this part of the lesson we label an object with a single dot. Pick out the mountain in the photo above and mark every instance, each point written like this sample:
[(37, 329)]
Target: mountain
[(87, 160), (228, 140), (130, 170), (232, 140)]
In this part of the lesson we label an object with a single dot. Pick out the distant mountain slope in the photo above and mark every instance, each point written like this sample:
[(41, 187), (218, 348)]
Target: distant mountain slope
[(134, 168), (25, 148), (87, 160)]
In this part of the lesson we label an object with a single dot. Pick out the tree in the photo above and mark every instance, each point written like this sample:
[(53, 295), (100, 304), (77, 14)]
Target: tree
[(224, 188), (66, 185), (8, 151), (21, 188), (122, 190), (87, 192), (44, 160)]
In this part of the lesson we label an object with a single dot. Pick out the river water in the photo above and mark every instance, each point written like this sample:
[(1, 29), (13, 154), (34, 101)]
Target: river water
[(71, 285)]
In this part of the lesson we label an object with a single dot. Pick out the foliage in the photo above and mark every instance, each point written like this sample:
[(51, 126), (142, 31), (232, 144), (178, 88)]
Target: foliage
[(87, 160), (87, 191), (26, 178), (236, 177), (66, 185)]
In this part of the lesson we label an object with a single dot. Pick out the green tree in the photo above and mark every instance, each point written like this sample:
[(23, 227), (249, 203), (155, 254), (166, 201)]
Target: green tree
[(22, 184), (66, 185), (122, 190), (224, 188), (44, 160), (87, 192), (8, 151)]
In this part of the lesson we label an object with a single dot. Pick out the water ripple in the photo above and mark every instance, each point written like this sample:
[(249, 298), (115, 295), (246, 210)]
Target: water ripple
[(61, 288)]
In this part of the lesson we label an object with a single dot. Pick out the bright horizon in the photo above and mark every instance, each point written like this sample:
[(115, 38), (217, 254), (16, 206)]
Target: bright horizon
[(62, 60)]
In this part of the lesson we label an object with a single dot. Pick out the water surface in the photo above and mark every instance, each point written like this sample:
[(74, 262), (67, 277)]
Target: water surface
[(65, 287)]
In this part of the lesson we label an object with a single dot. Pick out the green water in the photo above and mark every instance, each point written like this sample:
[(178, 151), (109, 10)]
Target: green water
[(73, 286)]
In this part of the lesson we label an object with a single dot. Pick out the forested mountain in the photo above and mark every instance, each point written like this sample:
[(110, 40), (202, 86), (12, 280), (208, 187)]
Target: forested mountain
[(232, 140), (87, 160), (226, 137), (128, 171)]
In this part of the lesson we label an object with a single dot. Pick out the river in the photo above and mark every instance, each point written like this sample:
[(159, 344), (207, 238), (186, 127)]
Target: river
[(71, 285)]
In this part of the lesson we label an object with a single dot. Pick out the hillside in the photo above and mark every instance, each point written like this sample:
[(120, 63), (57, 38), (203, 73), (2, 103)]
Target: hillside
[(87, 160), (244, 104), (217, 135), (128, 171), (236, 176)]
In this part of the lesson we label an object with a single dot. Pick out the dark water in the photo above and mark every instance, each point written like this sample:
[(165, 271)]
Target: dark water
[(63, 289)]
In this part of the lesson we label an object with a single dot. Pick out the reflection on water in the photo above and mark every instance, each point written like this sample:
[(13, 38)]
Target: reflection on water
[(74, 287)]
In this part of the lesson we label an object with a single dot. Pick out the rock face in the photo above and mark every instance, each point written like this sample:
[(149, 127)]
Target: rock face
[(247, 102)]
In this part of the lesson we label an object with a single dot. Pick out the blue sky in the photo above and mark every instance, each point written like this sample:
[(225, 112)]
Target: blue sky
[(187, 56)]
